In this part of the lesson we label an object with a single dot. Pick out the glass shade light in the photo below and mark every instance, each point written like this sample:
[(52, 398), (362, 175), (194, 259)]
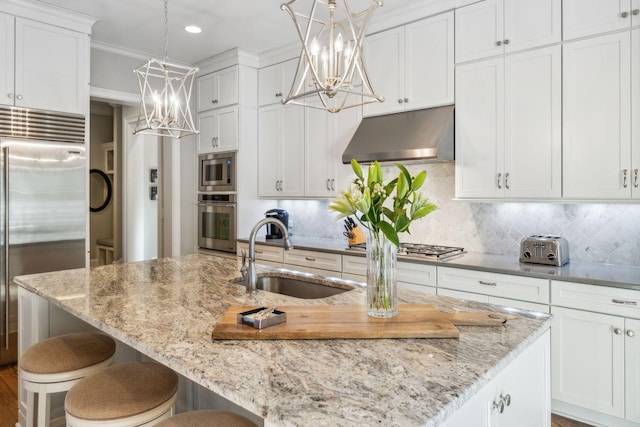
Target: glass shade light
[(331, 74)]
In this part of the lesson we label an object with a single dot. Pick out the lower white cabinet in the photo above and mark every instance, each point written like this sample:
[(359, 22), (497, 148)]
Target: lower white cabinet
[(313, 261), (507, 302), (415, 276), (517, 396), (265, 254), (596, 355)]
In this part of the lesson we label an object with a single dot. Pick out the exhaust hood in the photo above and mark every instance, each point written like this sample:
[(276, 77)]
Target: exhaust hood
[(420, 136)]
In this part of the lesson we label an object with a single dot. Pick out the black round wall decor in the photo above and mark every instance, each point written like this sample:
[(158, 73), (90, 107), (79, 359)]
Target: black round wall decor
[(107, 182)]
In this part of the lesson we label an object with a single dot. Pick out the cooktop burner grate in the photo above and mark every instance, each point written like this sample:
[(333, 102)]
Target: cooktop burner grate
[(421, 250)]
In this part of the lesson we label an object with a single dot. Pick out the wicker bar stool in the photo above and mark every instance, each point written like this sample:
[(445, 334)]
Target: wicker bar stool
[(54, 365), (129, 394), (207, 418)]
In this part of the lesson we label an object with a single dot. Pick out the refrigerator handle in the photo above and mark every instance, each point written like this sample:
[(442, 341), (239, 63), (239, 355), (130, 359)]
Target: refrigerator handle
[(7, 285)]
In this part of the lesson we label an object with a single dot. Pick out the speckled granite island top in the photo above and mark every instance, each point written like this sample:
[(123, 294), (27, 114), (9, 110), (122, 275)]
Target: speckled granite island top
[(167, 308)]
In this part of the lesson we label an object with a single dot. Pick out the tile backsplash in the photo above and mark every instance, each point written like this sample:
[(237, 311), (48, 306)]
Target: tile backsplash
[(596, 232)]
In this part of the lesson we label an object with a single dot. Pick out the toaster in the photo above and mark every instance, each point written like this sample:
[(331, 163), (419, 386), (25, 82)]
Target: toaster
[(549, 250)]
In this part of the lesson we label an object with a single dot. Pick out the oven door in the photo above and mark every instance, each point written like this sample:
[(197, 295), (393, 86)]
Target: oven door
[(217, 226)]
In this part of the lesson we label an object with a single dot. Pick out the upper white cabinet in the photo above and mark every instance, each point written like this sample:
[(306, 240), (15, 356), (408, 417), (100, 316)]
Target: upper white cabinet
[(582, 18), (508, 126), (635, 112), (274, 82), (494, 27), (597, 99), (218, 130), (412, 66), (218, 89), (43, 66)]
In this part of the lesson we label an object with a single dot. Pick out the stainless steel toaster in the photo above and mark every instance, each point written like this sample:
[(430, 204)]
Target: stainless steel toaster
[(549, 250)]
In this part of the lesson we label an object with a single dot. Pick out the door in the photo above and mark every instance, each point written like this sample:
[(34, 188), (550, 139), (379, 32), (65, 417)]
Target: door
[(227, 129), (318, 159), (531, 23), (269, 148), (384, 58), (635, 111), (6, 59), (587, 17), (587, 360), (479, 30), (632, 369), (292, 154), (217, 226), (43, 220), (596, 118)]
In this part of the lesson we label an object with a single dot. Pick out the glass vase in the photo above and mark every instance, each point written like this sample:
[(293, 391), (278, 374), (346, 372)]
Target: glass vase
[(382, 290)]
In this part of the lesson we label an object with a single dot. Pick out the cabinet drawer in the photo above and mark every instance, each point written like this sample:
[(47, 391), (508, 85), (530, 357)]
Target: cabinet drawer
[(407, 272), (313, 259), (603, 299), (318, 271), (264, 252), (495, 284)]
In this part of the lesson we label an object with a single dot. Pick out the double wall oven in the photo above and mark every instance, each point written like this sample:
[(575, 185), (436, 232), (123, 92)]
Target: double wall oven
[(217, 201)]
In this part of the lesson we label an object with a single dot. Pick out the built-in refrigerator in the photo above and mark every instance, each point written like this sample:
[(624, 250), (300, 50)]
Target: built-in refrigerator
[(42, 219)]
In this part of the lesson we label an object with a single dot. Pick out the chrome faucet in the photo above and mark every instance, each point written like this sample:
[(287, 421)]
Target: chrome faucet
[(249, 272)]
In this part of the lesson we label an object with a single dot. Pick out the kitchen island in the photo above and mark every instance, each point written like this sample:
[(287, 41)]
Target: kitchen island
[(167, 308)]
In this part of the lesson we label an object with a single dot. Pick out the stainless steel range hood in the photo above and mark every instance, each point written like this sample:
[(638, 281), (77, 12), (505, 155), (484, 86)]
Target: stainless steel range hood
[(421, 136)]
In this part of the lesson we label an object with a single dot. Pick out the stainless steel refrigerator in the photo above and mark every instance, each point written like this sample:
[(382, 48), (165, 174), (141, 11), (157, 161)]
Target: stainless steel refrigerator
[(42, 219)]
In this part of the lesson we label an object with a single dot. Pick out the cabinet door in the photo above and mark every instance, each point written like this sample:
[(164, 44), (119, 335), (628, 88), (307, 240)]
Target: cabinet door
[(596, 117), (207, 92), (635, 111), (227, 86), (346, 124), (384, 58), (269, 148), (292, 154), (479, 30), (6, 59), (227, 124), (208, 131), (318, 156), (587, 360), (635, 13), (587, 17), (51, 67), (268, 86), (632, 370), (533, 120), (480, 129), (429, 62), (531, 23)]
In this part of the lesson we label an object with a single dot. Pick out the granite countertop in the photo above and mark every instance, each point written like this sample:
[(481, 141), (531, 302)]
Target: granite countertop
[(596, 274), (167, 308)]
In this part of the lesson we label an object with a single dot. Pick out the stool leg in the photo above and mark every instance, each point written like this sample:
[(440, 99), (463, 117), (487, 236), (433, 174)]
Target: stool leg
[(30, 408), (44, 401)]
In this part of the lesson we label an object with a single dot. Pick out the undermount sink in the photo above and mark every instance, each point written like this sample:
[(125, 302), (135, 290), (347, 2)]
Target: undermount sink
[(298, 287)]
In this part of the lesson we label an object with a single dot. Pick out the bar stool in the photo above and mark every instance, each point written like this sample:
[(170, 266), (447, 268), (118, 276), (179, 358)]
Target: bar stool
[(129, 394), (207, 418), (56, 364)]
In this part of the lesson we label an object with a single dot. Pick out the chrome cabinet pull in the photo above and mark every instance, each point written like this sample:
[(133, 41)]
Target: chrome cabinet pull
[(624, 178), (498, 406), (506, 180), (635, 178), (328, 184), (310, 259), (617, 331), (406, 100), (630, 333), (499, 179), (19, 97), (10, 95), (636, 11), (482, 282), (499, 43), (506, 41), (624, 302), (333, 184), (506, 399), (624, 14), (400, 101)]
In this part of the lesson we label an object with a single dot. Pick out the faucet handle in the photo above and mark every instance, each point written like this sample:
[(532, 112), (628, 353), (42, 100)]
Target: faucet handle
[(244, 269)]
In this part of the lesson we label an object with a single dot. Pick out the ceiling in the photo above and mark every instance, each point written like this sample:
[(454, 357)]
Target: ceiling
[(252, 25)]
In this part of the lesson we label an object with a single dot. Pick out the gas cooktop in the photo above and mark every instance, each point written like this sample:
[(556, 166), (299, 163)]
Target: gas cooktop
[(421, 250)]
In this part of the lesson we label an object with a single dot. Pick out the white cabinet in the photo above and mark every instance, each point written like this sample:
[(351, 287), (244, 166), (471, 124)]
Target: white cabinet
[(272, 256), (508, 126), (582, 18), (414, 276), (274, 82), (43, 66), (315, 262), (218, 130), (595, 363), (218, 89), (281, 151), (412, 66), (517, 396), (494, 27), (597, 88)]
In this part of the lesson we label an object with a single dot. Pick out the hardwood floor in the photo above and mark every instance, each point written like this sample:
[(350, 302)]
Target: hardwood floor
[(9, 401), (8, 395)]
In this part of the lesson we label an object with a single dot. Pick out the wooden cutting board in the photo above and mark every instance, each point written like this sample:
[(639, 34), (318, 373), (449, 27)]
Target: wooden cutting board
[(352, 321)]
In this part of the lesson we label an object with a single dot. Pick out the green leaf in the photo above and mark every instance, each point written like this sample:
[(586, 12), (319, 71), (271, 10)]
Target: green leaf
[(404, 171), (403, 187), (357, 169), (418, 180), (388, 231), (402, 223), (422, 212)]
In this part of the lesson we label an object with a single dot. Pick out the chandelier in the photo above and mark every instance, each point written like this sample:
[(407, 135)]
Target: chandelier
[(331, 73), (165, 90)]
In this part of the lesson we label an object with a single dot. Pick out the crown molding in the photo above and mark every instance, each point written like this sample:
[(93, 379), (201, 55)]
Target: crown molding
[(53, 15)]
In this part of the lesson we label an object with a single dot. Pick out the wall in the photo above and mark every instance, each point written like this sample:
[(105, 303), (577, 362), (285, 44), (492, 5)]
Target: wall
[(600, 233)]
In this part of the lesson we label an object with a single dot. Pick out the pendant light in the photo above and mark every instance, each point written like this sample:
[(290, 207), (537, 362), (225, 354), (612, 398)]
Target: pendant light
[(165, 90), (331, 74)]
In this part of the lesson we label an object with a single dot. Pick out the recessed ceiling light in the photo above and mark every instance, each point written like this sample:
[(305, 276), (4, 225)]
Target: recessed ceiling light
[(193, 29)]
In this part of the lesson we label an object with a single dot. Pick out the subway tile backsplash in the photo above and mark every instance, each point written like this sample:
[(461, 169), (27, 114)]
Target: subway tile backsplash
[(598, 232)]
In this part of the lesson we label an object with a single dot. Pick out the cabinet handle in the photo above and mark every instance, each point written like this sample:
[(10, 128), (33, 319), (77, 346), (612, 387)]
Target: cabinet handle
[(506, 41), (624, 14), (482, 282), (617, 331), (506, 180), (213, 141), (499, 43), (258, 251), (214, 101), (333, 184), (10, 95), (498, 406), (630, 333), (499, 181), (406, 100), (635, 178), (624, 178), (400, 101), (506, 399), (310, 259), (622, 301), (277, 185), (278, 94), (636, 11), (328, 184), (19, 97)]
